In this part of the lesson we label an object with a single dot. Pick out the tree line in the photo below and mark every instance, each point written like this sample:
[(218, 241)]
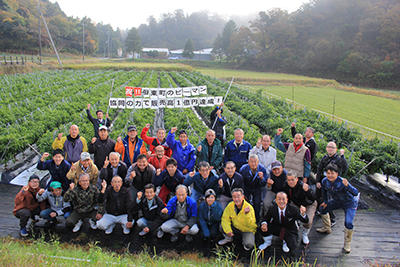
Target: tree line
[(356, 41)]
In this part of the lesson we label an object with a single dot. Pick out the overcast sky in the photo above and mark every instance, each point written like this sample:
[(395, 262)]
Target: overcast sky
[(130, 13)]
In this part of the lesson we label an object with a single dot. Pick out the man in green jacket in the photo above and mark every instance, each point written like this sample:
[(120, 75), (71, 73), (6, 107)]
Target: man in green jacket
[(210, 150)]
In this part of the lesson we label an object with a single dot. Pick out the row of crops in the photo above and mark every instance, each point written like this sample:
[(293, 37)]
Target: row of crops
[(37, 106)]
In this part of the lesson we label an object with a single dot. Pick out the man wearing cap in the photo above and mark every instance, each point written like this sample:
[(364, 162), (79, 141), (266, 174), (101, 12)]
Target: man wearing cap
[(154, 142), (72, 145), (308, 139), (58, 207), (229, 180), (57, 167), (237, 150), (275, 184), (183, 151), (112, 167), (99, 121), (130, 147), (209, 215), (297, 155), (101, 146), (85, 165), (266, 154), (26, 204), (202, 180)]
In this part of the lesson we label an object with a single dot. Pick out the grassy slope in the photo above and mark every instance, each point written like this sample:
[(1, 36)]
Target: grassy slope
[(376, 112)]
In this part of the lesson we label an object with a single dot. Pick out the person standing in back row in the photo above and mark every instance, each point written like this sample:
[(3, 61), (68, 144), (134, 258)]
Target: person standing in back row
[(237, 150), (220, 122), (99, 121)]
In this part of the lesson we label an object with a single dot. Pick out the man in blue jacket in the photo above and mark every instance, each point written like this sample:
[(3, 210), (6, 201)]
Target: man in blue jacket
[(57, 167), (338, 193), (183, 151), (254, 178), (182, 211), (202, 180), (210, 213), (237, 150)]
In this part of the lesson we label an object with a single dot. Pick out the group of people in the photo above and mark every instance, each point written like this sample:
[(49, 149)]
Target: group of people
[(164, 184)]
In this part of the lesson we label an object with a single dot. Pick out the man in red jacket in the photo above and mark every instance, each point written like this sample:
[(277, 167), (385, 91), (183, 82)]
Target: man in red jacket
[(26, 204), (153, 142)]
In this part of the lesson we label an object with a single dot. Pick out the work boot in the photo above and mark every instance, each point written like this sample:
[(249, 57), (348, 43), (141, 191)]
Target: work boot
[(326, 228), (348, 235), (305, 239)]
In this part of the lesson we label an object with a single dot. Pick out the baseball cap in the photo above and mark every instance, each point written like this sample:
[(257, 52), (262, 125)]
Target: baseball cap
[(276, 164), (85, 156)]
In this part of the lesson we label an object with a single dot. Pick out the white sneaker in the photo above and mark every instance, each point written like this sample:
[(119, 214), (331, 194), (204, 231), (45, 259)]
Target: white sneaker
[(110, 229), (267, 242), (77, 226), (305, 232), (143, 233), (285, 248), (93, 224), (126, 230), (225, 241)]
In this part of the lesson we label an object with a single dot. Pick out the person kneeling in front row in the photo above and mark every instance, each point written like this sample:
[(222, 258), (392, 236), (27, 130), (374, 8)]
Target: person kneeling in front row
[(117, 207), (84, 198), (239, 219), (280, 220), (151, 207), (182, 211)]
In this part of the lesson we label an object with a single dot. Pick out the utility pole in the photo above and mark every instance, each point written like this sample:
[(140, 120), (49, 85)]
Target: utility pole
[(83, 40), (108, 49), (51, 39), (40, 34), (333, 108)]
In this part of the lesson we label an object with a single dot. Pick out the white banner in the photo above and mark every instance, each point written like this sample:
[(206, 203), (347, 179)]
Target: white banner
[(155, 103)]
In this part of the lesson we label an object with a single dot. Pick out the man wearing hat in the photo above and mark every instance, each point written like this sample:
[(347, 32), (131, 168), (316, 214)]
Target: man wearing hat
[(57, 167), (209, 215), (58, 207), (85, 165), (26, 204), (130, 147), (275, 184), (101, 146), (99, 121)]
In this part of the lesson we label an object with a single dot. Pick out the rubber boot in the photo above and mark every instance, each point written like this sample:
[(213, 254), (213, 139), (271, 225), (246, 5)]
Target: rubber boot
[(348, 235), (326, 220)]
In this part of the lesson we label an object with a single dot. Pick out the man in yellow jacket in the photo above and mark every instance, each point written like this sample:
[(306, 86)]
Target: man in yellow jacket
[(72, 145), (239, 219)]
